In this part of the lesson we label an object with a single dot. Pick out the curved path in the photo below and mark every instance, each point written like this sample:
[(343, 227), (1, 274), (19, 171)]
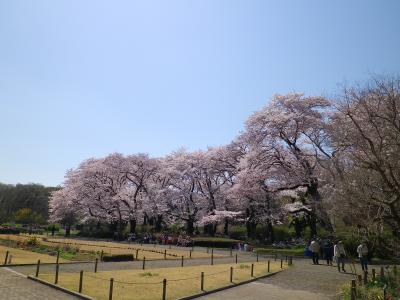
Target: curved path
[(303, 281)]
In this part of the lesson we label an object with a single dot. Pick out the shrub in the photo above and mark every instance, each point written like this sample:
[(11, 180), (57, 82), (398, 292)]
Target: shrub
[(9, 230), (148, 274), (282, 233), (118, 257), (32, 242), (238, 232), (51, 226)]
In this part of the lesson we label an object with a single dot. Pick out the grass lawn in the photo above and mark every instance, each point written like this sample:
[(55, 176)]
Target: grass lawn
[(148, 251), (147, 284), (20, 256)]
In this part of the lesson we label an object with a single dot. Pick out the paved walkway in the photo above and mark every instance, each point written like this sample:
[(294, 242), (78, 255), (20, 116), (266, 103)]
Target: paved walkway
[(303, 281), (16, 287)]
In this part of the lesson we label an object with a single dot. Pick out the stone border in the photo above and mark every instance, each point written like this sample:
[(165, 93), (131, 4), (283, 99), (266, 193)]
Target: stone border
[(57, 287), (229, 286)]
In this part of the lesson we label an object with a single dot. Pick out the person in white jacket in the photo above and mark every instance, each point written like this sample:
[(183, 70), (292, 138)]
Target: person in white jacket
[(362, 251), (340, 254)]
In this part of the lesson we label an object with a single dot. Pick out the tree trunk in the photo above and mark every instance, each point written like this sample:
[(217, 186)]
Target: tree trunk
[(189, 226), (132, 223), (68, 230), (159, 219), (145, 220), (251, 229), (226, 227), (270, 233)]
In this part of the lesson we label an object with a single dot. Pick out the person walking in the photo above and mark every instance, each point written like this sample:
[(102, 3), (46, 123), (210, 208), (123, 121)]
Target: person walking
[(340, 255), (328, 251), (314, 248), (362, 251)]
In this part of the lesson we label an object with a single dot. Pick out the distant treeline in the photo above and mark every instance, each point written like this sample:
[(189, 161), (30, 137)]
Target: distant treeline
[(24, 203)]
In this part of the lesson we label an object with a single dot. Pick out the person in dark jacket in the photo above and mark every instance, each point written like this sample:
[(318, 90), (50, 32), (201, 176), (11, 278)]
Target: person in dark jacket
[(327, 248)]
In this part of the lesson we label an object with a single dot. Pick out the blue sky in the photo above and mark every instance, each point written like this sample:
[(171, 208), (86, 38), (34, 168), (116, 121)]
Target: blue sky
[(82, 79)]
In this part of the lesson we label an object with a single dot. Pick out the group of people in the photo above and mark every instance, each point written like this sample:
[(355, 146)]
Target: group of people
[(243, 247), (336, 252), (170, 239)]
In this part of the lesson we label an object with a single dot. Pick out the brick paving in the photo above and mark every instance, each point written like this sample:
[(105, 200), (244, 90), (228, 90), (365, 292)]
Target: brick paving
[(16, 287)]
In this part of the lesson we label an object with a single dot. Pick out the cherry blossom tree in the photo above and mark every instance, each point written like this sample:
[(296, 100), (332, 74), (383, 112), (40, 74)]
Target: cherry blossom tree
[(294, 126)]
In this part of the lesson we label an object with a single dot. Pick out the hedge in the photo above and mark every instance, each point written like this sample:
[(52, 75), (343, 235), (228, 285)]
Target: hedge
[(118, 257), (9, 230)]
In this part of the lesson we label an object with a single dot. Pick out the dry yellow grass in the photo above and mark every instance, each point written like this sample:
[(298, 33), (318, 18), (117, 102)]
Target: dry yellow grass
[(148, 251), (147, 284), (20, 256)]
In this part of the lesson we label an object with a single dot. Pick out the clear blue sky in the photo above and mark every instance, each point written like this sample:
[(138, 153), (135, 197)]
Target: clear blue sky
[(86, 78)]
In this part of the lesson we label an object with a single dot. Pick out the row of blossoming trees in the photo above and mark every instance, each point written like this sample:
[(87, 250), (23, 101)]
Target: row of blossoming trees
[(298, 156)]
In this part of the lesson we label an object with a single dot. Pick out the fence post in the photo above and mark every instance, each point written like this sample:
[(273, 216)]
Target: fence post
[(286, 258), (80, 281), (164, 289), (268, 265), (144, 263), (182, 261), (257, 256), (95, 265), (101, 255), (373, 275), (58, 256), (236, 258), (353, 290), (202, 281), (37, 268), (281, 263), (290, 261), (365, 277), (359, 277), (5, 260), (110, 294), (137, 254), (382, 272), (231, 275), (56, 277), (212, 256), (252, 270), (165, 254), (190, 253)]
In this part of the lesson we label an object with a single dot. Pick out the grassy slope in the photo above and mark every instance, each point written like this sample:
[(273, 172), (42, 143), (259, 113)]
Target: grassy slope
[(148, 284)]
